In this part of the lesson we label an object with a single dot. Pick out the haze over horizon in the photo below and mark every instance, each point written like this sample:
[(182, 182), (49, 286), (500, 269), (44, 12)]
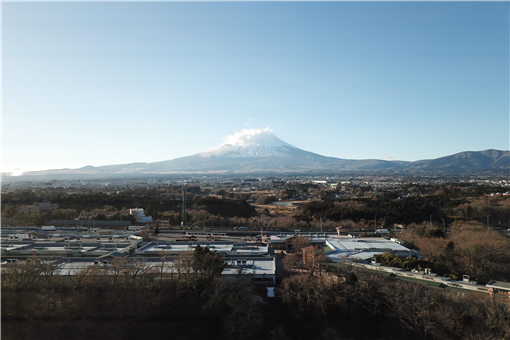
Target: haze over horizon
[(116, 83)]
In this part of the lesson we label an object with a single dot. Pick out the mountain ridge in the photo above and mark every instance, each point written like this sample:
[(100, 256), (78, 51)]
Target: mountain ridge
[(264, 152)]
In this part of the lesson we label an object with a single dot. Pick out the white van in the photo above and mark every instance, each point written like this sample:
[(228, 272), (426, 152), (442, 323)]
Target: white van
[(382, 231)]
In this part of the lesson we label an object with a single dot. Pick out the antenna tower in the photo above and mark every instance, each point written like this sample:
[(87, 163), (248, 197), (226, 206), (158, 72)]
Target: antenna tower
[(183, 222)]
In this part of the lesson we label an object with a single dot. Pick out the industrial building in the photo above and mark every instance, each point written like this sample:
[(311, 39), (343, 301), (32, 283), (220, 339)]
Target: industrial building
[(338, 248)]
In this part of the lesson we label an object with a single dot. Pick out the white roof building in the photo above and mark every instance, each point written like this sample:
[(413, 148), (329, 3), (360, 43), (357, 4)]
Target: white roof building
[(139, 215), (364, 248)]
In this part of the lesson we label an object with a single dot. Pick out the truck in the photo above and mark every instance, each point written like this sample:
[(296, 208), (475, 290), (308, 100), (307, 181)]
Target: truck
[(382, 231), (49, 227)]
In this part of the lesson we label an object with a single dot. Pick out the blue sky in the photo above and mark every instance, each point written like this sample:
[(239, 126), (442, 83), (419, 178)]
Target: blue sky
[(87, 83)]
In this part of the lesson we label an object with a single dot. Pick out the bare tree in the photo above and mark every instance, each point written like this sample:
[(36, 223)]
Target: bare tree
[(414, 306), (49, 272), (145, 234), (246, 314), (300, 242), (81, 277), (115, 270), (135, 270), (291, 262), (184, 266), (23, 274)]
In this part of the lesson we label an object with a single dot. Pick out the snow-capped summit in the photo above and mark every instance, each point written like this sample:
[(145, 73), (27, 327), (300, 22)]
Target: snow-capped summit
[(252, 143)]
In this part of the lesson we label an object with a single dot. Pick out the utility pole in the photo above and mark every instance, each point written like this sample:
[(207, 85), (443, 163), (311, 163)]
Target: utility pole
[(321, 224), (431, 221), (444, 227), (375, 222)]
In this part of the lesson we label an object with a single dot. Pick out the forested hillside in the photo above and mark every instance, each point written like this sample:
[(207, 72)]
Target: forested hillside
[(132, 301)]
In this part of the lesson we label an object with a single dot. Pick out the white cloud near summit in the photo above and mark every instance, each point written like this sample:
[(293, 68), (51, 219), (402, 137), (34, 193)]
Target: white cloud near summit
[(248, 137)]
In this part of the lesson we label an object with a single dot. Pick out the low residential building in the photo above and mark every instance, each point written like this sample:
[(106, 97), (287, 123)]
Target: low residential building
[(499, 287), (254, 270), (46, 206), (39, 207), (284, 241), (30, 208)]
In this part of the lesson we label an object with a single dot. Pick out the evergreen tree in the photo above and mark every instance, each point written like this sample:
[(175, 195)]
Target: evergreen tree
[(156, 229)]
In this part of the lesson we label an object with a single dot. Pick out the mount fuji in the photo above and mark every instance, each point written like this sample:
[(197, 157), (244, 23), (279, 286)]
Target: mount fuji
[(260, 151)]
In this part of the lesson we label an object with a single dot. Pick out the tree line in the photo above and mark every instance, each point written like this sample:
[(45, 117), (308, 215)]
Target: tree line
[(444, 203), (467, 248), (410, 210), (106, 207), (132, 300)]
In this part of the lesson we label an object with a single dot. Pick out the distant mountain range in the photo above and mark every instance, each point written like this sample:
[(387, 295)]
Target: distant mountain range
[(265, 153)]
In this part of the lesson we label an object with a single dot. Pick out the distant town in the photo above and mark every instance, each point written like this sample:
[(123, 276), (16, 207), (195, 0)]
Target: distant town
[(254, 184)]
